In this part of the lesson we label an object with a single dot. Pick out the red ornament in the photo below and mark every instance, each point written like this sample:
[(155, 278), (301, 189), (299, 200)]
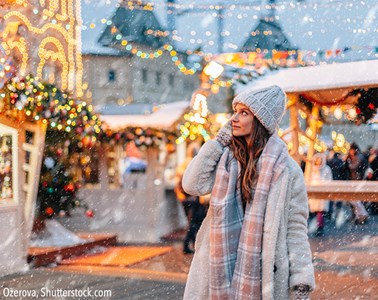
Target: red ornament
[(89, 213), (49, 211), (371, 106), (59, 152), (358, 110), (69, 187), (44, 184)]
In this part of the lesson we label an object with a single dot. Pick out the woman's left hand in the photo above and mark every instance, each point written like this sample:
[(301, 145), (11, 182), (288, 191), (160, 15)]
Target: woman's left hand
[(225, 134)]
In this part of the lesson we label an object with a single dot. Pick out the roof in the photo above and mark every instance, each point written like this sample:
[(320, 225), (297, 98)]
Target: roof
[(92, 12), (275, 40), (164, 118), (326, 84), (132, 24)]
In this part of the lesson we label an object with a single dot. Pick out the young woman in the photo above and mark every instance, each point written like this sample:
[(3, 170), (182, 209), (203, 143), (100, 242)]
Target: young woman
[(253, 243)]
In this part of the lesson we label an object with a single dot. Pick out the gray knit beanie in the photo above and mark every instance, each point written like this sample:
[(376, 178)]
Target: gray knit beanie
[(267, 104)]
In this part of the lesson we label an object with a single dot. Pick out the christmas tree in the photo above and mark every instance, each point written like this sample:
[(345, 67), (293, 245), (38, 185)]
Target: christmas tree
[(57, 189)]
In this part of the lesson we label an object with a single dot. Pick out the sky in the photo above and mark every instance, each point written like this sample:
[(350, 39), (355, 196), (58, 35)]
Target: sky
[(309, 25)]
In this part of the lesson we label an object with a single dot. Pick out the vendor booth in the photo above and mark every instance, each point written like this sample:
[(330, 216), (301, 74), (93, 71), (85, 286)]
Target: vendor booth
[(133, 196), (20, 161)]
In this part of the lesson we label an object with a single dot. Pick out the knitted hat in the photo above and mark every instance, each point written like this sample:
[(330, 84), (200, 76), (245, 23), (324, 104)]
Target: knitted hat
[(267, 104)]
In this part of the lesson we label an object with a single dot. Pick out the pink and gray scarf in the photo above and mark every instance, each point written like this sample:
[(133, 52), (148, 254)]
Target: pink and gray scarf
[(235, 236)]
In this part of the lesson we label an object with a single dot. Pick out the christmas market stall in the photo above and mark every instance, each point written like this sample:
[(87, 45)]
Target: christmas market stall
[(21, 142), (319, 99), (130, 182), (30, 111)]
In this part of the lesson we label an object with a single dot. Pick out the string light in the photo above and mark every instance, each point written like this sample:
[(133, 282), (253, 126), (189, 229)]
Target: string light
[(67, 42), (156, 54), (22, 48)]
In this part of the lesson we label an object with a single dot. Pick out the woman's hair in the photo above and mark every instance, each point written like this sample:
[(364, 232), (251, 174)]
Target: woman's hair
[(248, 155)]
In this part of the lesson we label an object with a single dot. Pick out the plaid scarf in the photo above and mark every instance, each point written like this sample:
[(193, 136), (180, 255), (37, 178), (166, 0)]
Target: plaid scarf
[(235, 236)]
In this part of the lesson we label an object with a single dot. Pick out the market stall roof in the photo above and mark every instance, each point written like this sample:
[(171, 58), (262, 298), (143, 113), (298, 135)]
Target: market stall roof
[(324, 84), (163, 118)]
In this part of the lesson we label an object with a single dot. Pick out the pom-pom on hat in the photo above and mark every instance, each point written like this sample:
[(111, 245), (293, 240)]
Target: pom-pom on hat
[(267, 104)]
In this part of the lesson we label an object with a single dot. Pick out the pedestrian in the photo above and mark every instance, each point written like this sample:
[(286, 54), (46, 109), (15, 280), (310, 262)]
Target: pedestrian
[(357, 165), (195, 212), (340, 171), (253, 242), (318, 208)]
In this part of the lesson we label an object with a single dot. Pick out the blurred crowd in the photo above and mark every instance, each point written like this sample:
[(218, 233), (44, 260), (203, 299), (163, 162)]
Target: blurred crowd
[(355, 165)]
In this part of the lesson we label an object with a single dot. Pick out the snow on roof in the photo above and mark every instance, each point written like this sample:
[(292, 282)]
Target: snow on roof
[(322, 77), (164, 118), (92, 12)]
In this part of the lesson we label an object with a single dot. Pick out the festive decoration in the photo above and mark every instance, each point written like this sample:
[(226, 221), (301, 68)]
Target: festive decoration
[(142, 138), (58, 186), (7, 68), (153, 55), (36, 101), (61, 47), (6, 191), (196, 123), (367, 104)]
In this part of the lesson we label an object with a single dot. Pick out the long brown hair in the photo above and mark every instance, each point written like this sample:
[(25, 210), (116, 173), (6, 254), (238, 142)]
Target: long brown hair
[(247, 154)]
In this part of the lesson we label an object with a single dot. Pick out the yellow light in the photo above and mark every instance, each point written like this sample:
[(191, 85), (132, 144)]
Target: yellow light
[(338, 113), (213, 69)]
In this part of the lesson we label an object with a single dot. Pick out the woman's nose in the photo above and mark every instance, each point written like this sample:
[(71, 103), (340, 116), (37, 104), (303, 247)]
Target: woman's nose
[(234, 117)]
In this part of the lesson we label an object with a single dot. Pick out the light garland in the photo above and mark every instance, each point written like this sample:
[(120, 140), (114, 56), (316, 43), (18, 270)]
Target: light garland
[(60, 55), (153, 55), (307, 54), (61, 17), (28, 98), (23, 50)]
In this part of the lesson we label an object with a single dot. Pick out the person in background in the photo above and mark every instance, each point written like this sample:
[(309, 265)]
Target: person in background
[(253, 243), (339, 172), (195, 212), (320, 171), (372, 175), (357, 165)]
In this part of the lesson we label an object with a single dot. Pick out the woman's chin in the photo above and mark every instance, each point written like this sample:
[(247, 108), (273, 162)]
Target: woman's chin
[(237, 134)]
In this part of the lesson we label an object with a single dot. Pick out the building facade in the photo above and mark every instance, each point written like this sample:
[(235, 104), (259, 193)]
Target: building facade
[(43, 37), (117, 70)]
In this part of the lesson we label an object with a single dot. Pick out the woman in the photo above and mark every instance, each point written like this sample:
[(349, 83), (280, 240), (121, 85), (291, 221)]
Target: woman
[(253, 243)]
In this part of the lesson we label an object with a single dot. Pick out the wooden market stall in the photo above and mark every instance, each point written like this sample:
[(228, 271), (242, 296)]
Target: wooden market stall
[(20, 163), (138, 206), (329, 85)]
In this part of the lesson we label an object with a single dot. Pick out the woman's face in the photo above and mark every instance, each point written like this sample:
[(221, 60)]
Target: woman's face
[(241, 120)]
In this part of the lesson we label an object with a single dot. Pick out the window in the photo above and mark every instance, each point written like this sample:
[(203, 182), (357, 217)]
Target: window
[(144, 76), (171, 79), (158, 78), (111, 76)]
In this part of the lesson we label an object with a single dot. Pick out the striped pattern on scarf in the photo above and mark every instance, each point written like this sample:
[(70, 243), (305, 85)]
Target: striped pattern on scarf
[(235, 236)]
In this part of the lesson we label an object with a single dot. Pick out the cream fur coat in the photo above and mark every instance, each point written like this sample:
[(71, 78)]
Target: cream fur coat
[(286, 254)]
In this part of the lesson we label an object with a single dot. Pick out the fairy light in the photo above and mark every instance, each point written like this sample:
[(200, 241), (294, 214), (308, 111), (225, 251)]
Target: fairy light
[(156, 54), (23, 50), (64, 24)]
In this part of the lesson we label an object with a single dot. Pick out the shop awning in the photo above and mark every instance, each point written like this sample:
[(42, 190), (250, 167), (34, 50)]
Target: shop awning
[(324, 84), (162, 117)]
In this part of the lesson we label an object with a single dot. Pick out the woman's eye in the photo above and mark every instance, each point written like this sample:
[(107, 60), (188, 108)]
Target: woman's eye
[(244, 113)]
